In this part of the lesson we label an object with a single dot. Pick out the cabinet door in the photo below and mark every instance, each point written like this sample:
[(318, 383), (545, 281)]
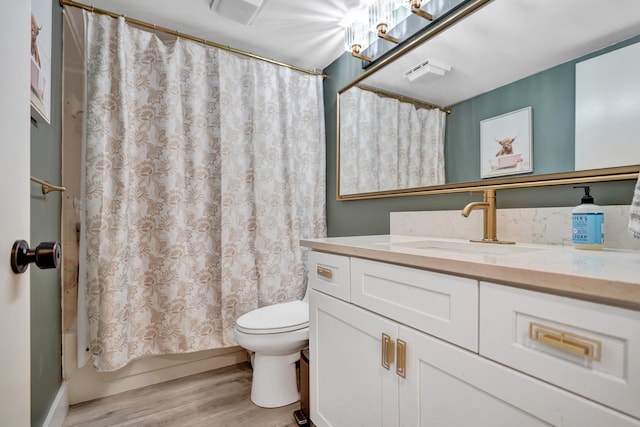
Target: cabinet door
[(448, 386), (349, 386)]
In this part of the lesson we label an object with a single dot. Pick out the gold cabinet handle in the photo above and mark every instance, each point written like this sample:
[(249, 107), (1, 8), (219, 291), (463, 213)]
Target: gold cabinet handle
[(388, 351), (566, 341), (324, 272), (401, 363)]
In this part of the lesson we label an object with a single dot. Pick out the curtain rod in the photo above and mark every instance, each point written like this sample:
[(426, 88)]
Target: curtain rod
[(186, 36), (413, 101)]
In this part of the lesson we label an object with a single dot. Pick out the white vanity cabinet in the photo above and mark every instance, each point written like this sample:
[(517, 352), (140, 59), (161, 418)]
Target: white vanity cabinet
[(400, 348)]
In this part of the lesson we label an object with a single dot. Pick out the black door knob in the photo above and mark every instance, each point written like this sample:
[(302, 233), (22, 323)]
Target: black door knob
[(45, 255)]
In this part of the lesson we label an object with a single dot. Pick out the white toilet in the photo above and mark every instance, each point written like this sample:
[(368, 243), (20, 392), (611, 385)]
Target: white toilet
[(276, 333)]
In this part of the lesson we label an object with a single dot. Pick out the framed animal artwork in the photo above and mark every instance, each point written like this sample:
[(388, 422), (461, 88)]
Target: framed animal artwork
[(506, 144), (41, 60)]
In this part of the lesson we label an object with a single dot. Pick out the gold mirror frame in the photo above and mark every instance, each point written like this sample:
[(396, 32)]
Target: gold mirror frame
[(561, 178)]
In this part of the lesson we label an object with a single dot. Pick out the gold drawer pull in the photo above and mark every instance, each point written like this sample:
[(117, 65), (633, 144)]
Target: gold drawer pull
[(401, 364), (388, 351), (324, 272), (566, 341)]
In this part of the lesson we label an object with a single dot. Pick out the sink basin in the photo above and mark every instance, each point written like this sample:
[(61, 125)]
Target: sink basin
[(468, 247)]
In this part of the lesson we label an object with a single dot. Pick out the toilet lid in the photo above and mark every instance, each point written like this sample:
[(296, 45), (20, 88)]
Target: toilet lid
[(284, 317)]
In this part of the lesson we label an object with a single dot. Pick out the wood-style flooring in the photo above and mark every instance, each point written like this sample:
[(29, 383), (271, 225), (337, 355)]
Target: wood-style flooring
[(217, 398)]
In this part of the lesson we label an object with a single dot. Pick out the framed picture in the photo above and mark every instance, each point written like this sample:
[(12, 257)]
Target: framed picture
[(41, 60), (505, 144)]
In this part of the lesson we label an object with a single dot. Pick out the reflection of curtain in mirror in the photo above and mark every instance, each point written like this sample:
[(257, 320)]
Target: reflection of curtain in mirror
[(387, 144)]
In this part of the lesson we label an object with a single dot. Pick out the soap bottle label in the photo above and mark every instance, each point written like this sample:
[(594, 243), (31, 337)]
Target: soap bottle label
[(587, 228)]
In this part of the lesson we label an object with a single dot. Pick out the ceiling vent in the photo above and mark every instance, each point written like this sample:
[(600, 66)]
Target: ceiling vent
[(428, 66), (240, 11)]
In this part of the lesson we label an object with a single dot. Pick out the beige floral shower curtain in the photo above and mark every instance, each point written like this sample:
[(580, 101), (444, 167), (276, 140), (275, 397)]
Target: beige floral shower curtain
[(202, 171), (273, 180)]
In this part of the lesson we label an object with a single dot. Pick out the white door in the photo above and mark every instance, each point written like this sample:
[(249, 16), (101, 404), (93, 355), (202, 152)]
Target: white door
[(15, 357)]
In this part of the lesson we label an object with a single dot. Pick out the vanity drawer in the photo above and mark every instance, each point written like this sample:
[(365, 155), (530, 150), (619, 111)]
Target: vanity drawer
[(441, 305), (329, 273), (590, 349)]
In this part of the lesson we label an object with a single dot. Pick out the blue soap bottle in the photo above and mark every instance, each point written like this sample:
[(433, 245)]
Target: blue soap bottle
[(587, 223)]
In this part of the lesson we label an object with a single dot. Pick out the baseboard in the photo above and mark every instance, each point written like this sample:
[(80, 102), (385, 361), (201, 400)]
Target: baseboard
[(87, 384), (58, 410)]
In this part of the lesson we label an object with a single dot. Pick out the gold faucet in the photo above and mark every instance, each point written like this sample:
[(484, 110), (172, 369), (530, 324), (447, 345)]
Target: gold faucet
[(488, 205)]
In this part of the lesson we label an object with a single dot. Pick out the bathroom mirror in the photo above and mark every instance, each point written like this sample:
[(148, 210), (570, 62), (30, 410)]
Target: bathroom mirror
[(504, 55)]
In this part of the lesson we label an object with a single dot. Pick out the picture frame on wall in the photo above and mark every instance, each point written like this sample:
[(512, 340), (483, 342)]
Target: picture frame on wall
[(41, 60), (506, 144)]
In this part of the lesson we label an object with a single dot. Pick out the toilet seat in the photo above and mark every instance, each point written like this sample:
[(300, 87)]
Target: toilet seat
[(273, 319)]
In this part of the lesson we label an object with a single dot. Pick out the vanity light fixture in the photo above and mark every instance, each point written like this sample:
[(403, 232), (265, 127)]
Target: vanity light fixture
[(382, 33), (428, 66), (356, 38), (416, 6), (355, 51), (383, 15), (370, 20)]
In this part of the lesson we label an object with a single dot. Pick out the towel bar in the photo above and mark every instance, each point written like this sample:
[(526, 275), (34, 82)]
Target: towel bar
[(47, 187)]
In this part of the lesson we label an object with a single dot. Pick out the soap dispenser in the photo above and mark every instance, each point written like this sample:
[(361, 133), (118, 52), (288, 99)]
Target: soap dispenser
[(587, 223)]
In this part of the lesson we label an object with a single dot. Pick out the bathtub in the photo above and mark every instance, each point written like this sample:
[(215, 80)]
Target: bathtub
[(85, 383)]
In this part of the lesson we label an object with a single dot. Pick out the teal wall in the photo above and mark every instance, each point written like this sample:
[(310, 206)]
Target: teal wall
[(46, 313), (551, 95)]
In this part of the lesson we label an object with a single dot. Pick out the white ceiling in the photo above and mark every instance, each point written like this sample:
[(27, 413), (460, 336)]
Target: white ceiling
[(502, 42), (306, 34)]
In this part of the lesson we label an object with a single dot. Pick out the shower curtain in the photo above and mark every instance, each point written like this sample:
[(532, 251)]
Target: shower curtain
[(202, 170), (388, 144)]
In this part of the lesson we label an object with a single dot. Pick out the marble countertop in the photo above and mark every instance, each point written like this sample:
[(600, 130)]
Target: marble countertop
[(609, 276)]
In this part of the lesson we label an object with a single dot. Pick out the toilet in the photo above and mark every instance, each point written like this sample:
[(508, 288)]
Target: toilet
[(276, 334)]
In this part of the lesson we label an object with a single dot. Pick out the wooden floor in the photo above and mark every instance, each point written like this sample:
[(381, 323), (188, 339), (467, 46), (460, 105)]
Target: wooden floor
[(217, 398)]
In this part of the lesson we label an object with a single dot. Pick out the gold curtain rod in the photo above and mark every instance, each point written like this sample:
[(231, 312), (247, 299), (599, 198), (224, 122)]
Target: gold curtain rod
[(404, 98), (186, 36), (47, 187)]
